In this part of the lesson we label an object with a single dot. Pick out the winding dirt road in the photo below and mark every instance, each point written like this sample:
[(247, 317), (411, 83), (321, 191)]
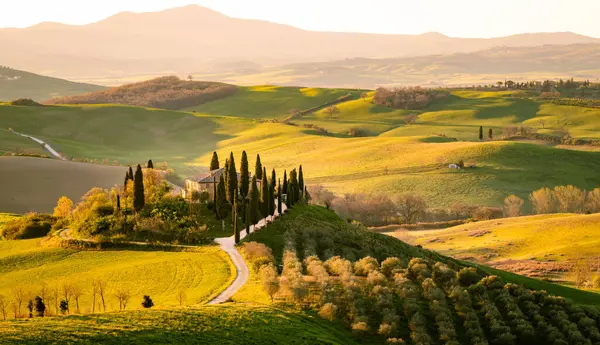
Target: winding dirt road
[(46, 146)]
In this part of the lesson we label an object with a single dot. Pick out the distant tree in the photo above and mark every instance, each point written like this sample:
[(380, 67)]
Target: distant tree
[(480, 132), (99, 286), (40, 307), (569, 199), (76, 292), (254, 214), (190, 78), (3, 306), (147, 302), (410, 207), (118, 203), (130, 174), (542, 201), (123, 295), (64, 307), (63, 208), (364, 96), (269, 280), (215, 195), (222, 206), (214, 162), (264, 195), (236, 231), (150, 165), (258, 169), (232, 180), (285, 182), (181, 296), (279, 197), (490, 134), (331, 111), (30, 308), (293, 193), (272, 205), (138, 189), (512, 206), (499, 83), (245, 176), (321, 196), (301, 182), (510, 84)]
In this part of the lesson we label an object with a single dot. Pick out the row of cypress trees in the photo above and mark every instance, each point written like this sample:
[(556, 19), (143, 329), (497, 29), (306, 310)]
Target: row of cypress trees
[(138, 186), (245, 199)]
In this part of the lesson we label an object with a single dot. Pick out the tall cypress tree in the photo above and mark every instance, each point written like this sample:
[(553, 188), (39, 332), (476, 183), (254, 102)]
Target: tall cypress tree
[(138, 189), (130, 174), (245, 176), (125, 181), (247, 217), (236, 231), (258, 170), (150, 165), (285, 182), (273, 181), (293, 192), (214, 162), (480, 132), (225, 173), (222, 204), (118, 203), (215, 195), (491, 134), (300, 182), (279, 201), (232, 180), (254, 203), (272, 193), (264, 195)]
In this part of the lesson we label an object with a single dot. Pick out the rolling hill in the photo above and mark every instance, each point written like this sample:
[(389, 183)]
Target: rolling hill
[(16, 84), (92, 50)]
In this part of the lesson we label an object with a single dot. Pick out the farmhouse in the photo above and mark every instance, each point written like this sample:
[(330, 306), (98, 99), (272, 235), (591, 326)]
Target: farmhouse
[(205, 183)]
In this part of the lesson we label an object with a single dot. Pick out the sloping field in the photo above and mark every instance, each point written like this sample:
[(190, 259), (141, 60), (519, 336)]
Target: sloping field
[(200, 273), (11, 143), (35, 184)]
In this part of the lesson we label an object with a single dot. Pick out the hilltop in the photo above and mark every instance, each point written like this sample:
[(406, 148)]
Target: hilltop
[(186, 48), (16, 84)]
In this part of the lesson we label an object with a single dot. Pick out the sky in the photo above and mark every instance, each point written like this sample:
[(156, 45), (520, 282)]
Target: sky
[(457, 18)]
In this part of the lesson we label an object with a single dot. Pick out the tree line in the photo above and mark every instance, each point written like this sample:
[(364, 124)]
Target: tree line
[(410, 98)]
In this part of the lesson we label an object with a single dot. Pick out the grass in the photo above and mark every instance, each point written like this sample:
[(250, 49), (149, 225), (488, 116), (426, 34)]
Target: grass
[(267, 102), (227, 324), (12, 143), (19, 84), (7, 217), (201, 273), (37, 183)]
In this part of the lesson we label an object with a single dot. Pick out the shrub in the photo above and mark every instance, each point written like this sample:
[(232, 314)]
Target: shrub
[(365, 266), (26, 102), (391, 266), (328, 311), (259, 262), (147, 302), (253, 250), (356, 132), (29, 226), (360, 327), (467, 276)]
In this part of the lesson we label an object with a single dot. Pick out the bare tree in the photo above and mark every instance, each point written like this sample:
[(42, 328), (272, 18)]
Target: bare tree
[(123, 295), (364, 96), (44, 291), (19, 296), (569, 198), (3, 305), (181, 297), (410, 207), (100, 287), (542, 201), (66, 289), (512, 206), (94, 293), (320, 195), (331, 111), (593, 201), (77, 292)]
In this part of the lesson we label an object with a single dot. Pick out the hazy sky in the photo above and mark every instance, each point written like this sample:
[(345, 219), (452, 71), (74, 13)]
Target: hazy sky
[(461, 18)]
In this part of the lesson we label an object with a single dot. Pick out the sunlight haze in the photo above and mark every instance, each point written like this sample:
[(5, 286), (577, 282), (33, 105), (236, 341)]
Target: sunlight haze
[(462, 18)]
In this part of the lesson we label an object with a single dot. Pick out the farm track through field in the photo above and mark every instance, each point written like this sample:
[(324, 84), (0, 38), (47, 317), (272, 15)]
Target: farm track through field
[(46, 146)]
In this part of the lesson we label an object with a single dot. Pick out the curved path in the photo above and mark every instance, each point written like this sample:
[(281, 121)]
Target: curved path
[(46, 146), (228, 245)]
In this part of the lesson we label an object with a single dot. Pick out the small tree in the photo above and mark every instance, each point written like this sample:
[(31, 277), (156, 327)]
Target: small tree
[(76, 292), (40, 307), (301, 182), (258, 169), (66, 289), (410, 207), (123, 295), (244, 176), (254, 204), (264, 196), (99, 286), (150, 165), (279, 197), (63, 208), (30, 308), (64, 307), (269, 280), (181, 295), (542, 201), (3, 306), (222, 206), (147, 302), (285, 182), (214, 162), (19, 295), (138, 189), (236, 231), (512, 206), (232, 180), (490, 134), (480, 132), (331, 111)]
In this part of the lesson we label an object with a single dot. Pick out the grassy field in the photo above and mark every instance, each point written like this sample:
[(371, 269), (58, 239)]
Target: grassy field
[(227, 324), (11, 143), (35, 184), (267, 102), (201, 272), (7, 217)]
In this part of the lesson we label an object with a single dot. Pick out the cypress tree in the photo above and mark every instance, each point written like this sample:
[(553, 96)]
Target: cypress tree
[(300, 182), (285, 182), (480, 132), (245, 176), (150, 165), (264, 195), (118, 203), (236, 231), (293, 192), (232, 181), (138, 189), (279, 201), (258, 170), (215, 195), (247, 217), (273, 181), (214, 162), (130, 174), (272, 206), (225, 173), (254, 204), (222, 205), (491, 134), (125, 181)]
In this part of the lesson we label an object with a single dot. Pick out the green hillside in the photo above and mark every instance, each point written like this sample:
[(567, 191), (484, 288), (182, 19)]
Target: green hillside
[(16, 84)]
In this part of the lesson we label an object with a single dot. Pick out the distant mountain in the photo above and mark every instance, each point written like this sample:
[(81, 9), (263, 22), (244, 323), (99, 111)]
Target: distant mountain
[(196, 39), (19, 84)]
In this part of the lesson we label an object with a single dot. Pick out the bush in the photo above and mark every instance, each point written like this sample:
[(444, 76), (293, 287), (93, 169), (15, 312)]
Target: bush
[(254, 250), (328, 311), (356, 132), (29, 226), (25, 102), (147, 303), (467, 276)]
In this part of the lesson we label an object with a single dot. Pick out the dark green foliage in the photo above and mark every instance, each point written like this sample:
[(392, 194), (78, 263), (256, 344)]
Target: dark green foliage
[(29, 226), (279, 198), (300, 182), (258, 169), (232, 180), (254, 214), (64, 306), (480, 132), (467, 276), (118, 203), (39, 306), (247, 217), (150, 165), (245, 176), (285, 182), (272, 205), (491, 134), (147, 302), (236, 230), (265, 202), (30, 308), (221, 205), (214, 162), (138, 189), (130, 174), (25, 102), (293, 189), (215, 195)]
